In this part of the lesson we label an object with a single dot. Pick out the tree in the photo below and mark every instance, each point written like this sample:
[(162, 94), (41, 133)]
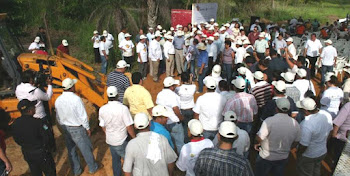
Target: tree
[(153, 6)]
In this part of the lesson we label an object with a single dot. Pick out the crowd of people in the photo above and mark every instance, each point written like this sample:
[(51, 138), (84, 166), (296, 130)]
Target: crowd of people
[(257, 95)]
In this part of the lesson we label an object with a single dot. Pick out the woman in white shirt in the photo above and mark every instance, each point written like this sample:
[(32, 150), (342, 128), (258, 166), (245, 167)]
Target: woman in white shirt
[(332, 97)]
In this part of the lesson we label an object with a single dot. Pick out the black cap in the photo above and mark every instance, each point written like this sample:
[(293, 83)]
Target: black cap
[(25, 104)]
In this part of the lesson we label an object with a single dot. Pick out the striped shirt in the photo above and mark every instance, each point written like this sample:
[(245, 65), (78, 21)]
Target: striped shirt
[(215, 161), (262, 93), (244, 105), (120, 81)]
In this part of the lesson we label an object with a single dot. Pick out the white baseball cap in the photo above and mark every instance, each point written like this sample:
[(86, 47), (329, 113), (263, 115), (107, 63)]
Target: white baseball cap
[(195, 127), (328, 76), (230, 116), (227, 25), (163, 31), (178, 26), (279, 85), (288, 76), (215, 24), (301, 73), (216, 72), (283, 104), (207, 26), (68, 83), (141, 121), (37, 39), (211, 28), (143, 37), (289, 39), (64, 42), (95, 32), (216, 34), (211, 38), (201, 46), (160, 110), (105, 33), (122, 64), (187, 42), (199, 32), (246, 42), (242, 70), (127, 35), (179, 33), (204, 36), (329, 41), (212, 20), (172, 28), (210, 82), (257, 21), (308, 104), (169, 81), (112, 91), (228, 129), (159, 27), (169, 37), (239, 42), (239, 82), (262, 35), (222, 28), (259, 75)]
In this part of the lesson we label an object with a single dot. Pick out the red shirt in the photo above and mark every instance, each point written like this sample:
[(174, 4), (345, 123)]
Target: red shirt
[(63, 49), (252, 37), (41, 52), (300, 30)]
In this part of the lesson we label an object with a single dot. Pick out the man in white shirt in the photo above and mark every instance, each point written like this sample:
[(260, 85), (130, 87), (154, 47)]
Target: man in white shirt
[(109, 39), (208, 109), (95, 39), (256, 24), (169, 54), (168, 98), (72, 117), (190, 151), (261, 46), (121, 35), (315, 130), (115, 120), (34, 45), (141, 50), (279, 43), (290, 49), (240, 52), (127, 47), (313, 48), (303, 84), (155, 54), (212, 52), (328, 58), (104, 52)]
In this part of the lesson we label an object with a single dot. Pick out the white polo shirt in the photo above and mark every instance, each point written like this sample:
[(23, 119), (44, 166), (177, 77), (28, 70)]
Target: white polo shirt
[(313, 47), (103, 47), (186, 92), (115, 117), (303, 85), (169, 99), (240, 52), (127, 45), (189, 154), (293, 51), (328, 54), (155, 51), (33, 46), (96, 40), (109, 41), (141, 48), (209, 106), (168, 49), (331, 99)]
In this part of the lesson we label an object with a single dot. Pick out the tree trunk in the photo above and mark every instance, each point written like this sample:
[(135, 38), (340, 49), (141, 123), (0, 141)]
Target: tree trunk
[(152, 12)]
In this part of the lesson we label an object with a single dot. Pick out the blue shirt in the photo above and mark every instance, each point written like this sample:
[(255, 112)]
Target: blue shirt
[(160, 129), (179, 42), (203, 58)]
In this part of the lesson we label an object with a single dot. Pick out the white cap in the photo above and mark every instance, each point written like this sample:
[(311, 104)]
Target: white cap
[(216, 34), (143, 37), (195, 24), (41, 45), (215, 24), (201, 46), (159, 27), (239, 42), (202, 22), (211, 38), (329, 41), (279, 85), (228, 129), (180, 33), (199, 32), (160, 110), (211, 28), (288, 76), (95, 32), (244, 38), (257, 21), (163, 31), (64, 42), (262, 35), (212, 20), (112, 91), (178, 26), (150, 28), (207, 26), (230, 116), (308, 104), (239, 82), (259, 75), (242, 70), (187, 42), (283, 104), (127, 35), (222, 28), (122, 64), (187, 36), (141, 121), (289, 39), (301, 73), (172, 28), (216, 72), (246, 42), (105, 33), (210, 82), (157, 34), (195, 127), (328, 76), (169, 37), (227, 25), (169, 81), (68, 83), (204, 36), (37, 39), (241, 28)]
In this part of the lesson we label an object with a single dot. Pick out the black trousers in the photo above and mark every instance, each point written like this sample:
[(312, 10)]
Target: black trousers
[(261, 56), (210, 65), (337, 147), (97, 55), (40, 161), (312, 63), (129, 60)]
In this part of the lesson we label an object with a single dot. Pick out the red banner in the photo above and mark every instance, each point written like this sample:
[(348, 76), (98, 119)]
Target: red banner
[(180, 16)]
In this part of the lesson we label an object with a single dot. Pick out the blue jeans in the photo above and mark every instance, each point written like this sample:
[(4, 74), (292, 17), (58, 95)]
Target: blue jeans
[(264, 167), (103, 64), (209, 134), (324, 70), (228, 72), (191, 67), (77, 136), (200, 79), (177, 133), (188, 115), (117, 152), (245, 126)]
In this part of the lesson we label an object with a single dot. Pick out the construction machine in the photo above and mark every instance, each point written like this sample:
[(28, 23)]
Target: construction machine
[(91, 85)]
